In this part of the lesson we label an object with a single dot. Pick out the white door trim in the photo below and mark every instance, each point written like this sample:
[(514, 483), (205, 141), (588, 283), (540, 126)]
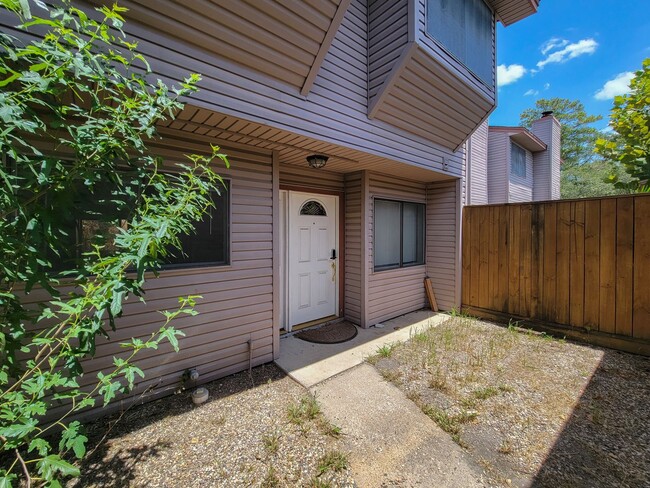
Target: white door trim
[(285, 264)]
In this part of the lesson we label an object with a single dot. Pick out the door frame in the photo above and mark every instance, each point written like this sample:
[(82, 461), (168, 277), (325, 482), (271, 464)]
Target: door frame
[(284, 237)]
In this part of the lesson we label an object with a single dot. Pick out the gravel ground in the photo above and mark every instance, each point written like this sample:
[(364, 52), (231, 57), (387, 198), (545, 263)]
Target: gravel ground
[(530, 409), (267, 435)]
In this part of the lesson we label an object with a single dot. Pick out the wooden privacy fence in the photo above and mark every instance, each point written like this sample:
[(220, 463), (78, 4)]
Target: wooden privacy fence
[(584, 264)]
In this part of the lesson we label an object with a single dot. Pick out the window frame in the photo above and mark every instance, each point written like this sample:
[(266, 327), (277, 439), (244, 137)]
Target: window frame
[(207, 264), (227, 240), (401, 265), (525, 153), (491, 84)]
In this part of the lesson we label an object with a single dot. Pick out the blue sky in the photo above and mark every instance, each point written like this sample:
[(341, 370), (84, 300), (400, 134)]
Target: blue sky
[(571, 49)]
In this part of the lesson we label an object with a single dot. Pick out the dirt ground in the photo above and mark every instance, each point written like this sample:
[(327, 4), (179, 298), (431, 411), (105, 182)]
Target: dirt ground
[(530, 409), (265, 431)]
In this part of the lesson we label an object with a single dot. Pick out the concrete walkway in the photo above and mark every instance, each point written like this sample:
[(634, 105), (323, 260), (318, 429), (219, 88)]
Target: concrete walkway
[(390, 441), (310, 363)]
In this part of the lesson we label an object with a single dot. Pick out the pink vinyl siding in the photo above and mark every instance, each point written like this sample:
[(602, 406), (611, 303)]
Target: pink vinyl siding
[(442, 242), (521, 188), (237, 300), (477, 166), (397, 291), (354, 277), (498, 167), (387, 37), (334, 111), (546, 164)]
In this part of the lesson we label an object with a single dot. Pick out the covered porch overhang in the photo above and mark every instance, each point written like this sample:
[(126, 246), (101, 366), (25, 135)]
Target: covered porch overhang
[(292, 149)]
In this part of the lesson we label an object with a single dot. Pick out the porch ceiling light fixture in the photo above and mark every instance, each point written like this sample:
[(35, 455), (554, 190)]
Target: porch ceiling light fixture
[(317, 161)]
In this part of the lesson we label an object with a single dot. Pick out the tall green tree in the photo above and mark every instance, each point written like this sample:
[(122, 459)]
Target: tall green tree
[(583, 172), (78, 110), (578, 134), (630, 120)]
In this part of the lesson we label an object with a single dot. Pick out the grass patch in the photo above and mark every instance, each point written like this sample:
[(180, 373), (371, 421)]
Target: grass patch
[(328, 428), (386, 350), (271, 442), (390, 375), (271, 480), (485, 392), (319, 483), (450, 423), (306, 409), (335, 461)]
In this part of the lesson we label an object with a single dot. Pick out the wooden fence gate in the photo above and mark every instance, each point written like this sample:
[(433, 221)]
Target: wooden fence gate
[(584, 264)]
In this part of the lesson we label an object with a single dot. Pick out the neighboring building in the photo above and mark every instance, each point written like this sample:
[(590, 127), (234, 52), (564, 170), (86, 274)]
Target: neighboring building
[(388, 91), (514, 164)]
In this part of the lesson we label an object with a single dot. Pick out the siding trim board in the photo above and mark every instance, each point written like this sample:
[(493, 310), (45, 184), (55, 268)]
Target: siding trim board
[(325, 47)]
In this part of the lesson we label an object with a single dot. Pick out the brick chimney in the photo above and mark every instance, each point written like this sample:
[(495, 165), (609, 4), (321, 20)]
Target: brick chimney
[(546, 164)]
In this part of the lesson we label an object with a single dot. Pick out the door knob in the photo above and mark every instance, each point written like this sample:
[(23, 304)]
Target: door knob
[(333, 255)]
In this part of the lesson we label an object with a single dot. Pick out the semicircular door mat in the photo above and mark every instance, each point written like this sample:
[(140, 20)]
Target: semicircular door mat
[(330, 333)]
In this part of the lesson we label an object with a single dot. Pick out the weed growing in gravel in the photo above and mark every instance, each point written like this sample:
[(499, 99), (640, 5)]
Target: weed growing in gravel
[(271, 480), (449, 423), (307, 409), (390, 375), (319, 483), (332, 461), (328, 428), (485, 392), (386, 350), (505, 447), (271, 442)]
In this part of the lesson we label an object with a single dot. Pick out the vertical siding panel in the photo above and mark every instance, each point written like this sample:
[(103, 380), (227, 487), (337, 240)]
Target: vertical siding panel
[(607, 315), (466, 243), (475, 252), (624, 265), (515, 288), (577, 264), (563, 251), (493, 259), (502, 216), (525, 257), (537, 262), (484, 257), (641, 318), (549, 270), (592, 264)]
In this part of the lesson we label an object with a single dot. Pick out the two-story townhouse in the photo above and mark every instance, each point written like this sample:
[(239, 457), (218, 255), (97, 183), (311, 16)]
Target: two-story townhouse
[(508, 164), (345, 122)]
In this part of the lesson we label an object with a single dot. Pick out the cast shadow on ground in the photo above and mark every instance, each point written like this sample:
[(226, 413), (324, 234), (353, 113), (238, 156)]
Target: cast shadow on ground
[(606, 440), (110, 467)]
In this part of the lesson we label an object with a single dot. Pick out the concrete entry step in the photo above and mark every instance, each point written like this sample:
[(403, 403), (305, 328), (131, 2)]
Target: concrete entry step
[(310, 363)]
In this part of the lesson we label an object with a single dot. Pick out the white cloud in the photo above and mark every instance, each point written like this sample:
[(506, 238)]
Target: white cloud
[(570, 51), (509, 74), (531, 93), (618, 86), (552, 44), (547, 86)]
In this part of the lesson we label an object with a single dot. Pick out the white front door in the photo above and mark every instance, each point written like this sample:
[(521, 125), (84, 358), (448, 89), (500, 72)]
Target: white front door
[(312, 257)]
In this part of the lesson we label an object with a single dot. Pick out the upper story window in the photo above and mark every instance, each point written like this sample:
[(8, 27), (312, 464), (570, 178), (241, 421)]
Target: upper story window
[(464, 28), (517, 160)]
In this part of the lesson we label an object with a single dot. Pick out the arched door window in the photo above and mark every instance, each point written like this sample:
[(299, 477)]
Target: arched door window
[(312, 207)]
